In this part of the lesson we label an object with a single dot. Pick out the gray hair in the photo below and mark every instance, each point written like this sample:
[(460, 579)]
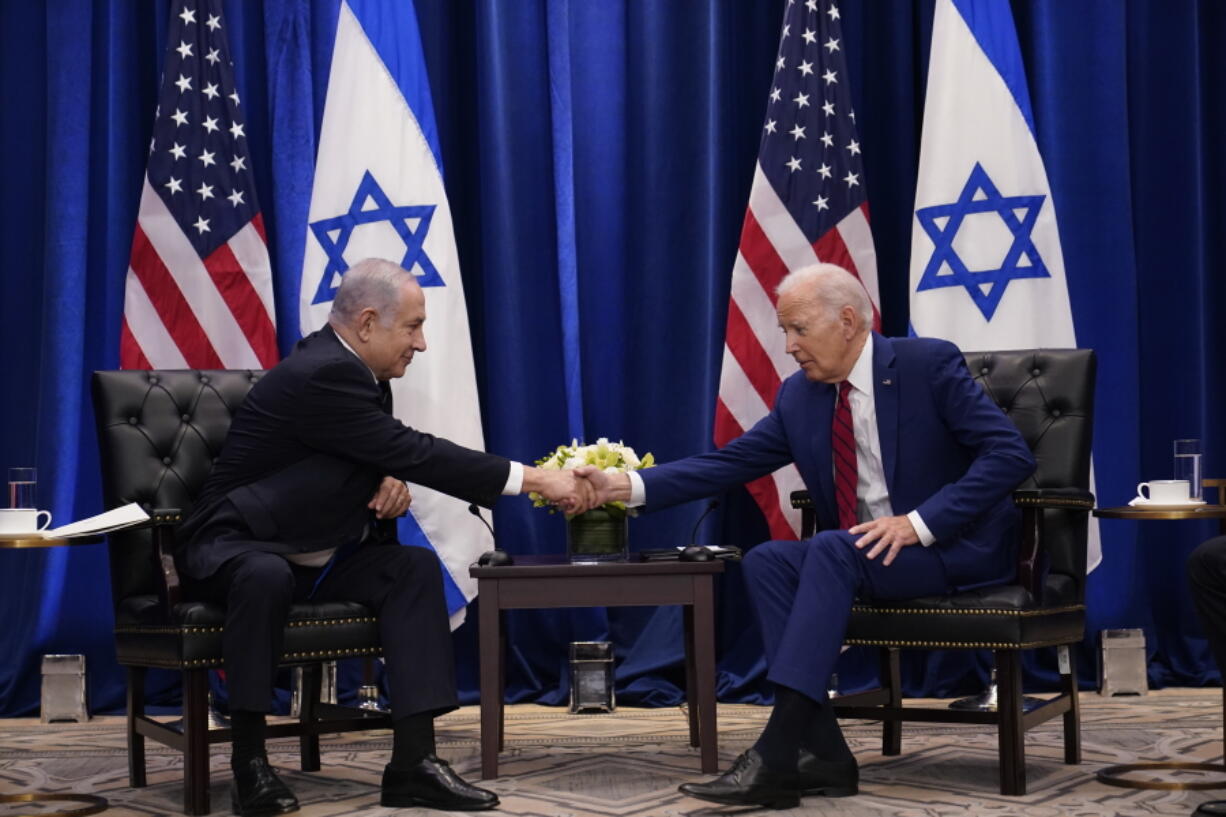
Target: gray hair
[(372, 283), (830, 287)]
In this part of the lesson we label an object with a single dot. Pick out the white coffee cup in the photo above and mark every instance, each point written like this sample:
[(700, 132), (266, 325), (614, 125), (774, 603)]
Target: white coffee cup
[(22, 520), (1164, 491)]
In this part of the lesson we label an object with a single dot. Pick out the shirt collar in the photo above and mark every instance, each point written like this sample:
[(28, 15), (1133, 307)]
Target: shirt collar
[(861, 375), (355, 354)]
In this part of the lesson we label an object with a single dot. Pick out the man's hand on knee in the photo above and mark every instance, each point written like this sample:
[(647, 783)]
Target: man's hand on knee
[(889, 533), (391, 500)]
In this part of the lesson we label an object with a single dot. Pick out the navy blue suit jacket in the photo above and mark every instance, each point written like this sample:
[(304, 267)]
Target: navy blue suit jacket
[(305, 453), (947, 449)]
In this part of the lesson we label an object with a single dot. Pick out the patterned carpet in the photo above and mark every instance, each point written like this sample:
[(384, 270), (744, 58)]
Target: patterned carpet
[(630, 762)]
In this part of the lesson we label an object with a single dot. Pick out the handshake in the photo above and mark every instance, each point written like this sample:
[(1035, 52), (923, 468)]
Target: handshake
[(578, 489)]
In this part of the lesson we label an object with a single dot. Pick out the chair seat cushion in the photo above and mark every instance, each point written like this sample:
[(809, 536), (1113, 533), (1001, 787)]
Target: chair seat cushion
[(1000, 617), (192, 636)]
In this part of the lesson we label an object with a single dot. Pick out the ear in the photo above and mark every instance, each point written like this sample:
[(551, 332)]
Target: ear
[(366, 323), (849, 321)]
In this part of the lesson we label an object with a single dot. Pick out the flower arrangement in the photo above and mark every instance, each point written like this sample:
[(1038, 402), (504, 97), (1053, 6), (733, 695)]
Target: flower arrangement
[(612, 458)]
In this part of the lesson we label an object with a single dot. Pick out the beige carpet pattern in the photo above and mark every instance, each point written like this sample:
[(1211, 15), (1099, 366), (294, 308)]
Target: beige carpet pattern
[(631, 761)]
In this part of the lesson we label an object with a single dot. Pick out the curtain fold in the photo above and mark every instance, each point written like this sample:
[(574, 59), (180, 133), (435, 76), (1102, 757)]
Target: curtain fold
[(598, 159)]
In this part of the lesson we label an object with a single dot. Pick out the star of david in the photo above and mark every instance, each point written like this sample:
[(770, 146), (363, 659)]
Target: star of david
[(371, 205), (986, 286)]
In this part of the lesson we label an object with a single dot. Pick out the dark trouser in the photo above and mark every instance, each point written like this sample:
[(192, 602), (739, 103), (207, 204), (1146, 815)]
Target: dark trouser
[(802, 593), (1207, 577), (404, 587)]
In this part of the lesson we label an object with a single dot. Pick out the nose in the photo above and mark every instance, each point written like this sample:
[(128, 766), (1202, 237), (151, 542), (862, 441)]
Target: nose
[(420, 343)]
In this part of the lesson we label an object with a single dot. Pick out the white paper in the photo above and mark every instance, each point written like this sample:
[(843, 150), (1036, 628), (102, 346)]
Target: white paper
[(124, 517)]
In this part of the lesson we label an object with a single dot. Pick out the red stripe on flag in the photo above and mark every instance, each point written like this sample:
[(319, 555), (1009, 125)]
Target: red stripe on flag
[(759, 253), (747, 349), (831, 249), (727, 428), (763, 490), (258, 223), (131, 356), (236, 290), (174, 310)]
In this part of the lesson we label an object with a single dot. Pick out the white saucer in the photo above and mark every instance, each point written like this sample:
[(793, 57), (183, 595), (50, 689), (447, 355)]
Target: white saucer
[(1141, 502)]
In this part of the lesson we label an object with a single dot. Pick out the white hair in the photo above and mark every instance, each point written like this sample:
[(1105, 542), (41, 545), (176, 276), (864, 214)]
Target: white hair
[(831, 287), (372, 283)]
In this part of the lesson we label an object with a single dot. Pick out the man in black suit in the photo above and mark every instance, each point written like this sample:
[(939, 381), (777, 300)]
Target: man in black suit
[(1207, 578), (292, 510)]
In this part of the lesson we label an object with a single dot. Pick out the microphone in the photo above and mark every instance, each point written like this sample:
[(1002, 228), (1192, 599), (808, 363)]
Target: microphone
[(495, 557), (712, 505)]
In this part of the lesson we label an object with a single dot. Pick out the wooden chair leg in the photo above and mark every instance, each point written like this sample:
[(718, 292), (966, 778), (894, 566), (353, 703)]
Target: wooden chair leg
[(308, 713), (196, 741), (691, 674), (891, 679), (1072, 718), (136, 741), (1010, 732)]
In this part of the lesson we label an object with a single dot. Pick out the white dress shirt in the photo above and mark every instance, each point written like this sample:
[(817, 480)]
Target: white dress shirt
[(873, 497)]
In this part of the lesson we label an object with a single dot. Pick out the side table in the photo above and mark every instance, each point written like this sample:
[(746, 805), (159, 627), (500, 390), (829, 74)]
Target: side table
[(1115, 775), (550, 581), (87, 803)]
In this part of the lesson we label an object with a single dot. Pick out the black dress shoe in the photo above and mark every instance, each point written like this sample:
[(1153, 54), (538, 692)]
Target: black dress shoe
[(431, 783), (1211, 808), (257, 790), (829, 778), (748, 783)]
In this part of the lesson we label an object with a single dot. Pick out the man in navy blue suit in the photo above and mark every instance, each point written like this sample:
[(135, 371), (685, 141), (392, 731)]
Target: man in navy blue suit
[(298, 506), (910, 466)]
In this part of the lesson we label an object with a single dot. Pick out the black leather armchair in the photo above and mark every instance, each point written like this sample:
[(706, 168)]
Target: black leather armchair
[(1049, 395), (159, 432)]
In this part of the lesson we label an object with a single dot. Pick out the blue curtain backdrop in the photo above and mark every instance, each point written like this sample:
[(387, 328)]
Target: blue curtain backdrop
[(598, 158)]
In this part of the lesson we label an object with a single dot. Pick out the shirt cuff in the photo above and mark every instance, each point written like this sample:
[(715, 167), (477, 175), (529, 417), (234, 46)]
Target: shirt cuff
[(925, 536), (515, 480), (638, 491)]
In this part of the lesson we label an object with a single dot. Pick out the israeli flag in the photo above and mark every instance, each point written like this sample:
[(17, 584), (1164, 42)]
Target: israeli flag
[(986, 267), (378, 192)]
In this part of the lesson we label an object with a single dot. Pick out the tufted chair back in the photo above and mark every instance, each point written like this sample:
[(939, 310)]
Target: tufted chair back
[(1049, 396), (159, 432)]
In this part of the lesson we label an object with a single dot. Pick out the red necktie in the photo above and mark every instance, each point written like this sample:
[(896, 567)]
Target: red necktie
[(843, 440)]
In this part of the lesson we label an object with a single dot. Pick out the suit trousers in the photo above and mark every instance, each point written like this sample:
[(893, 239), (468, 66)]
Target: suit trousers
[(803, 591), (1207, 577), (402, 584)]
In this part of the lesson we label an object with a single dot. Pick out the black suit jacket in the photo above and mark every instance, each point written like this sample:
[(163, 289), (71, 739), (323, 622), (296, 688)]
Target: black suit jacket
[(305, 453)]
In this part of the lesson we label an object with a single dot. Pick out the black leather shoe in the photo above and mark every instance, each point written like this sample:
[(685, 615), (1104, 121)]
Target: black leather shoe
[(257, 790), (829, 778), (432, 783), (1211, 808), (748, 783)]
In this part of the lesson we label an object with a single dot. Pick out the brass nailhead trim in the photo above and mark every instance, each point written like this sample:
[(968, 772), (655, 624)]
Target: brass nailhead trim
[(962, 645), (1056, 502), (189, 629), (966, 611)]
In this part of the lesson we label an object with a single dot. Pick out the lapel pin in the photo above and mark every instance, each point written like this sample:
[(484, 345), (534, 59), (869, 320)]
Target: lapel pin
[(887, 382)]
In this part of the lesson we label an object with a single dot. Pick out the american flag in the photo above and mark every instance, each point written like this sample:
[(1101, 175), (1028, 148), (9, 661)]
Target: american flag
[(199, 286), (808, 203)]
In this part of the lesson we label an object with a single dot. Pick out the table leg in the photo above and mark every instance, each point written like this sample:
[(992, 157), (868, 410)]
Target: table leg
[(489, 642), (691, 675), (704, 667)]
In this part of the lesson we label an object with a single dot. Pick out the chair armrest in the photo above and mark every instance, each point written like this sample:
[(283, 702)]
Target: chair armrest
[(1065, 498), (802, 501), (1220, 484), (163, 522), (1031, 561)]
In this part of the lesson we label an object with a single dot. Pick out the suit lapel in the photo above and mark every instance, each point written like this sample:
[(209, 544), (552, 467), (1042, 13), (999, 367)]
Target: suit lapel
[(885, 395), (823, 450)]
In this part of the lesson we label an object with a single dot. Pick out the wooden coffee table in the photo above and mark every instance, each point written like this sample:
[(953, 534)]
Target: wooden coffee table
[(545, 581)]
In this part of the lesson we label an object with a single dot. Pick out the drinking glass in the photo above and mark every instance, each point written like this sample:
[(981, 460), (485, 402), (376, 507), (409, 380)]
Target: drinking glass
[(21, 487), (1187, 465)]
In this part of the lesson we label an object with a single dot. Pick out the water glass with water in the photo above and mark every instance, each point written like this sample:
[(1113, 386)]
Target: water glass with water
[(22, 482), (1187, 465)]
